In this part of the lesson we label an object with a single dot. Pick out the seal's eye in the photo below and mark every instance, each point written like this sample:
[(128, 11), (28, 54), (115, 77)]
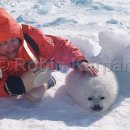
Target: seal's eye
[(90, 98), (101, 98)]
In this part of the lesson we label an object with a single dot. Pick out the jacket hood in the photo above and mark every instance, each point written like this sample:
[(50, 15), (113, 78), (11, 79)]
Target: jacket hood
[(8, 26)]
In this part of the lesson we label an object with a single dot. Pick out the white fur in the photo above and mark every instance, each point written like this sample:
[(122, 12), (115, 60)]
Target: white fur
[(80, 87)]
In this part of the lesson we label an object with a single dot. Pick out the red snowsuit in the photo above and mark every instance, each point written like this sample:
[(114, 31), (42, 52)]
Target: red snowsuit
[(50, 47)]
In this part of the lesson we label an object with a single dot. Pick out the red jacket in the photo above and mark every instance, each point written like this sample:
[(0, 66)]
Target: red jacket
[(50, 47)]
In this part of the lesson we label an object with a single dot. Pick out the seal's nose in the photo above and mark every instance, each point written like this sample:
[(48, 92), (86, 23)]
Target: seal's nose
[(97, 108)]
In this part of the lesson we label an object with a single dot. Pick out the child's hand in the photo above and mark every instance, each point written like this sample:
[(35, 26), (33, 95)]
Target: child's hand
[(84, 66)]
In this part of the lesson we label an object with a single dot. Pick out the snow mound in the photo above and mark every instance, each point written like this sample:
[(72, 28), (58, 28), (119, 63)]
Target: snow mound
[(112, 43), (88, 46), (82, 2)]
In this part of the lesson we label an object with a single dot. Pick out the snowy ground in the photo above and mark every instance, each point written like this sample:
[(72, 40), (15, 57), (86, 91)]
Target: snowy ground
[(80, 21)]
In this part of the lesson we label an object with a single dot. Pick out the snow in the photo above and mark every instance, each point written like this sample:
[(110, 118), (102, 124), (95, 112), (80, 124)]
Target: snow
[(81, 21)]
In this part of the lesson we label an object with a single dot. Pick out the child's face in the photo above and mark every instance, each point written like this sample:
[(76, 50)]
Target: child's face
[(9, 48)]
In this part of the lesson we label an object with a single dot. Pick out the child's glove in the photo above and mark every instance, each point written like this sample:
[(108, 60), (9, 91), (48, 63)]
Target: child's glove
[(35, 79)]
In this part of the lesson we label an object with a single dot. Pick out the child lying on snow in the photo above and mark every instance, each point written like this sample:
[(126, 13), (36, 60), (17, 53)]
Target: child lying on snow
[(24, 51)]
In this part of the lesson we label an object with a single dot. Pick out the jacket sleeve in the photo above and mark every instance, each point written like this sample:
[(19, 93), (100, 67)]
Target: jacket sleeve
[(2, 90), (59, 49), (3, 76)]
